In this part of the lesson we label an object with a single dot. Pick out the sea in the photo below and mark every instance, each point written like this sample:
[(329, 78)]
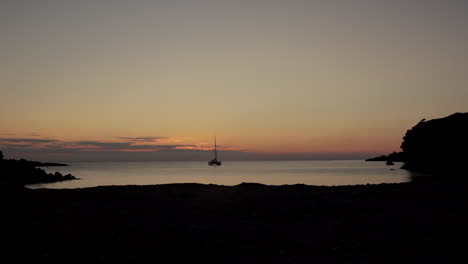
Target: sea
[(310, 172)]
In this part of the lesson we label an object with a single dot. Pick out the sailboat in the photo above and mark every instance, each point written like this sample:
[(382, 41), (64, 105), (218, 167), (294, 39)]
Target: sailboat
[(215, 161)]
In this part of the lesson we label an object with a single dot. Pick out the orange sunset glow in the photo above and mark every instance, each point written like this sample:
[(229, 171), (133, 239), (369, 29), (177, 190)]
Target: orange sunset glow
[(281, 79), (233, 131)]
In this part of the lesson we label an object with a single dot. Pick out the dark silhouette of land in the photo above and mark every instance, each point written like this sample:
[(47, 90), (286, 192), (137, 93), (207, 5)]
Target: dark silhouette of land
[(17, 173), (393, 157), (418, 222), (421, 221), (438, 147), (47, 164)]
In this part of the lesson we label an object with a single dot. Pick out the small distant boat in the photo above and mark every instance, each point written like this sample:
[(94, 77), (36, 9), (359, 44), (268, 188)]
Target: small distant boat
[(215, 161)]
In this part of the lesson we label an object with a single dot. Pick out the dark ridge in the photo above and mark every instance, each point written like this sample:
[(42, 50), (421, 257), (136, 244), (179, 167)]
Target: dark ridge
[(17, 173), (47, 164), (394, 157)]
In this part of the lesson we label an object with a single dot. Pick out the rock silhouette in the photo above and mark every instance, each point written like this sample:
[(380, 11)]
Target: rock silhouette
[(438, 146), (17, 173), (394, 157)]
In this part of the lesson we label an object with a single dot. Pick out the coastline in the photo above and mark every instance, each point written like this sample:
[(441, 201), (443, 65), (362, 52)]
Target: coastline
[(246, 223)]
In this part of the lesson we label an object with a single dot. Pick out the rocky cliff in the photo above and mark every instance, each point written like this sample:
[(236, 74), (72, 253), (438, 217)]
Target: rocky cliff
[(438, 146)]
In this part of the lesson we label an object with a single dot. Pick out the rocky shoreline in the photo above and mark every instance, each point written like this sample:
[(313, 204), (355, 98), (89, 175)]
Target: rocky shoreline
[(17, 173)]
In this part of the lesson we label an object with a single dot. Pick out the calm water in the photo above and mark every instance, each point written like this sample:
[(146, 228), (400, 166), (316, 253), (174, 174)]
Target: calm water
[(231, 173)]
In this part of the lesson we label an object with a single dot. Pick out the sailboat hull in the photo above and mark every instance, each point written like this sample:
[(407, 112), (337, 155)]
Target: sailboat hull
[(214, 163)]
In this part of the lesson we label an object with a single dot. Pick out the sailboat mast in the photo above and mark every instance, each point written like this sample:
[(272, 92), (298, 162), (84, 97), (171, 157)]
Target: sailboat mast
[(215, 152)]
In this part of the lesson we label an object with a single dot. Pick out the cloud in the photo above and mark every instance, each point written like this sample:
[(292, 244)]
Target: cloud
[(26, 140), (25, 143), (144, 148), (129, 150), (143, 139), (123, 146), (100, 144), (51, 145)]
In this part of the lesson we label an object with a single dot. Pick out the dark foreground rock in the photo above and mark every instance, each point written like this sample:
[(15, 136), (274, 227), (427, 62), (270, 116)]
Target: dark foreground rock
[(438, 146), (17, 173), (418, 222)]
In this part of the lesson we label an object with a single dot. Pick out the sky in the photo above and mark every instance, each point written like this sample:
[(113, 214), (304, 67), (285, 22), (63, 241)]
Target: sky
[(115, 80)]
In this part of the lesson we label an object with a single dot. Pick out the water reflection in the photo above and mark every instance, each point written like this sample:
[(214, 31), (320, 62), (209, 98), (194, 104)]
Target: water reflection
[(231, 173)]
